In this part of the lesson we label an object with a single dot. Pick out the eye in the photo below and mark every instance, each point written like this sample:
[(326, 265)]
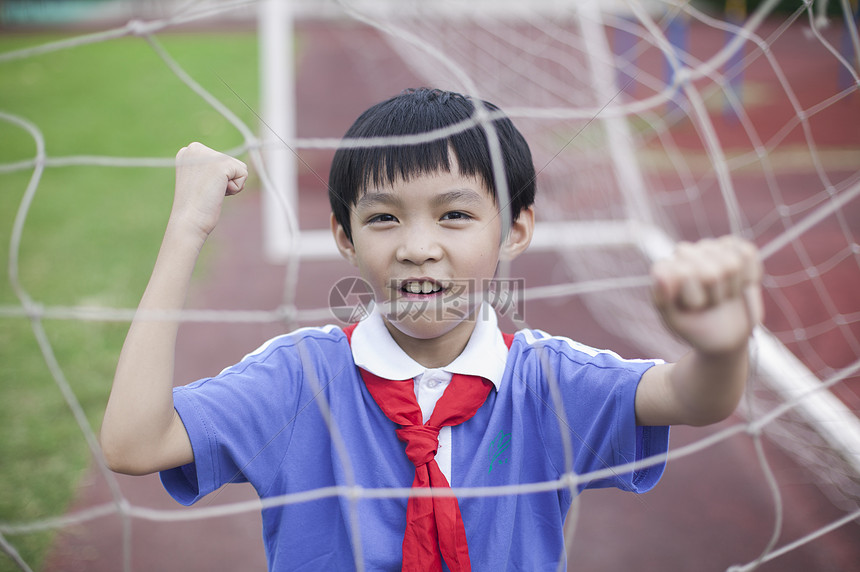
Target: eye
[(381, 218), (455, 215)]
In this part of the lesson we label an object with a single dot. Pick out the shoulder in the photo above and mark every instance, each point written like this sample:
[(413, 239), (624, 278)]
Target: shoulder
[(584, 378), (544, 358), (324, 335), (315, 344), (278, 367), (530, 342)]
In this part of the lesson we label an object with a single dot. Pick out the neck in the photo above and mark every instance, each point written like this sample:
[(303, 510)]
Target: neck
[(435, 352)]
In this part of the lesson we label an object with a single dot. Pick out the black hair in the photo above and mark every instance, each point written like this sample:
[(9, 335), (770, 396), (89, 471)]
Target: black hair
[(354, 168)]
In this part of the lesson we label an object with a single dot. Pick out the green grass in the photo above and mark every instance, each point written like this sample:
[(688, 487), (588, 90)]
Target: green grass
[(92, 233)]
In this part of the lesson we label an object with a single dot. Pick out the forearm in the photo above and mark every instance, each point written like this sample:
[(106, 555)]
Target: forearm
[(139, 420), (708, 388)]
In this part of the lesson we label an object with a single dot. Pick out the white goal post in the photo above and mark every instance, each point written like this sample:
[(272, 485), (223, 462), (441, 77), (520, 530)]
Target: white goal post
[(277, 112)]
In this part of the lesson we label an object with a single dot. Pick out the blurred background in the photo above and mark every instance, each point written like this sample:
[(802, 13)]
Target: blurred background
[(650, 122)]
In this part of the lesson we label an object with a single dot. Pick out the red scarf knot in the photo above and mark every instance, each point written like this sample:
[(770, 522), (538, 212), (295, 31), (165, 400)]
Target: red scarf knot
[(421, 441)]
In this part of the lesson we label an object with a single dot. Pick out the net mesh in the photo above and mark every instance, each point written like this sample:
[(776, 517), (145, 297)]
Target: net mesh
[(649, 123)]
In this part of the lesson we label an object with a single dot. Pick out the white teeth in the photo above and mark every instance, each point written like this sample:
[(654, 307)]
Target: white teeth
[(421, 287)]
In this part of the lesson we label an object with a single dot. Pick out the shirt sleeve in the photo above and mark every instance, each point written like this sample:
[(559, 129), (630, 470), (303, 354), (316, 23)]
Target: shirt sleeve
[(203, 406), (240, 421), (591, 428)]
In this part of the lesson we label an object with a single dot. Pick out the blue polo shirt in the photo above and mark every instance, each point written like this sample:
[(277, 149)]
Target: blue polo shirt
[(558, 407)]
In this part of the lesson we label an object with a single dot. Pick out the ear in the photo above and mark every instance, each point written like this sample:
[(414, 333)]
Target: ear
[(519, 236), (344, 244)]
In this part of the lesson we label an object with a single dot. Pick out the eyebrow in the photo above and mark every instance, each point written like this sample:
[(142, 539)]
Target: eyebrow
[(370, 200), (467, 196)]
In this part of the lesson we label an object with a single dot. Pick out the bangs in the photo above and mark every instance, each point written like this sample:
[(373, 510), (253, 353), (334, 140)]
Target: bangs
[(356, 170), (377, 167)]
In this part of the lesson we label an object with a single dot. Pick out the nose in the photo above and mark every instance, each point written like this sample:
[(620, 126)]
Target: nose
[(419, 246)]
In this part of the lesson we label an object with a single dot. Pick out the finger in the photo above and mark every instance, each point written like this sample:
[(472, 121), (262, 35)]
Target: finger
[(665, 282), (752, 272), (235, 185), (694, 295), (703, 285), (677, 283), (237, 175), (754, 304), (752, 269), (741, 260), (739, 264), (673, 278), (724, 266), (722, 269)]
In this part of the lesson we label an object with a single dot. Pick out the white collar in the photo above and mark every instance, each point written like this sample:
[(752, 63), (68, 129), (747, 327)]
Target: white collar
[(485, 354)]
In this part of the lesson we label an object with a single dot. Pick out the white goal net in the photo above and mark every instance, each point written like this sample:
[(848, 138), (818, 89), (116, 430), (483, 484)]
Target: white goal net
[(649, 122)]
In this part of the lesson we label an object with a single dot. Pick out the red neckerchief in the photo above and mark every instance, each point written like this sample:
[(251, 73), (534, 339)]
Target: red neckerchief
[(434, 526)]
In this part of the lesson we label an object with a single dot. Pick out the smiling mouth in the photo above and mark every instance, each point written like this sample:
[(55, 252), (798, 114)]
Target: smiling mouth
[(421, 287)]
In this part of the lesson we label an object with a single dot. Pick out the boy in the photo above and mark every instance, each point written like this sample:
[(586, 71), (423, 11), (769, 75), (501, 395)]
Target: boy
[(324, 407)]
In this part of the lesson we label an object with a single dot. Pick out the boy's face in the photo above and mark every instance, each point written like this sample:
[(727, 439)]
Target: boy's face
[(429, 248)]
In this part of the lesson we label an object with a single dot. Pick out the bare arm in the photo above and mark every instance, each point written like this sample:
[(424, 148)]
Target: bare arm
[(709, 295), (141, 432)]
